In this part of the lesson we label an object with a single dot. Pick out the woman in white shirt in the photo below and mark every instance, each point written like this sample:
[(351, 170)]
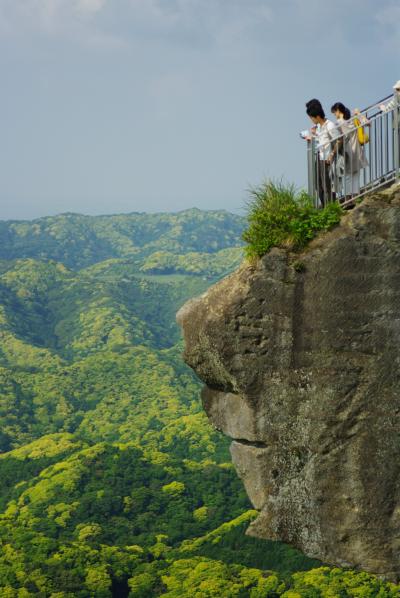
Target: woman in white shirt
[(351, 149)]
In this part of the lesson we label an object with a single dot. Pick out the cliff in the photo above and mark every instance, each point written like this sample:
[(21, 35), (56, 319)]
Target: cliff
[(300, 356)]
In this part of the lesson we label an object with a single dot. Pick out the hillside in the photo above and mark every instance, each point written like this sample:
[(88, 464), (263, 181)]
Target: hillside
[(112, 482), (76, 340), (79, 241)]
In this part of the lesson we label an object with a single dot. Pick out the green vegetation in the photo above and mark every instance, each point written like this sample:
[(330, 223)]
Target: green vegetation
[(206, 264), (124, 515), (79, 241), (128, 496), (279, 216), (202, 577), (112, 482)]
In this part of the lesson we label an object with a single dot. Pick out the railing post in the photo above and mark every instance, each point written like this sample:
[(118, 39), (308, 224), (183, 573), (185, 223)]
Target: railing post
[(396, 137), (311, 167)]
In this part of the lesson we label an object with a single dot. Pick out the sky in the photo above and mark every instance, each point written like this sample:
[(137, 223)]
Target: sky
[(114, 106)]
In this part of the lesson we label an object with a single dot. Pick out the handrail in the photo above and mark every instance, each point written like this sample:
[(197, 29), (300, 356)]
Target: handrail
[(377, 104), (364, 111)]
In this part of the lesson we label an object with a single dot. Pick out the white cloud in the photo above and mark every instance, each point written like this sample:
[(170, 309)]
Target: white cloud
[(52, 17), (223, 21), (234, 26), (89, 6)]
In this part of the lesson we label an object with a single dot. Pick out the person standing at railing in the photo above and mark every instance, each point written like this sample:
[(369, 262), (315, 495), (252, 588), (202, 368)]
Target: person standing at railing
[(325, 132), (350, 150)]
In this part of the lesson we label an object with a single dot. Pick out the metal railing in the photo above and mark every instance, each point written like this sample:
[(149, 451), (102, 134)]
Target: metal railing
[(362, 154)]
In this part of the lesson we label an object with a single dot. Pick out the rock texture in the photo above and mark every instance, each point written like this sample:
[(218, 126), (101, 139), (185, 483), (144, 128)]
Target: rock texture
[(301, 360)]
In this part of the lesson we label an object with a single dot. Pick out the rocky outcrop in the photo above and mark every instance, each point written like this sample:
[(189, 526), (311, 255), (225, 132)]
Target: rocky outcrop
[(301, 360)]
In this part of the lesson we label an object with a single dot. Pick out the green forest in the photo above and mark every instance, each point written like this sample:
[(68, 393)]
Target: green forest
[(112, 482)]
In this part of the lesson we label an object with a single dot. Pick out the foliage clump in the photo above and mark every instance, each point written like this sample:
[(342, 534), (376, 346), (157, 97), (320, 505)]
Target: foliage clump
[(281, 216)]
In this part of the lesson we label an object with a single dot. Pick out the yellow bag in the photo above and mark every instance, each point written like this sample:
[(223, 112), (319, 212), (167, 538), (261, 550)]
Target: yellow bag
[(362, 136)]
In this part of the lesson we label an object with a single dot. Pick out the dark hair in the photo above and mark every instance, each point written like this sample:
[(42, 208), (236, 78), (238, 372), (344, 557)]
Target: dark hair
[(313, 102), (315, 110), (341, 108)]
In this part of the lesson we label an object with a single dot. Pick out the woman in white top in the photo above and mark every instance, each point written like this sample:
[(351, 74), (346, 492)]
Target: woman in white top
[(351, 149)]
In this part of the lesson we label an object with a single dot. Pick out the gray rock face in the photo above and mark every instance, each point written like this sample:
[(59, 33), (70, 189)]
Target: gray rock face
[(302, 371)]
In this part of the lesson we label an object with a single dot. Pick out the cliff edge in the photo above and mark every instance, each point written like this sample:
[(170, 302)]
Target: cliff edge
[(300, 356)]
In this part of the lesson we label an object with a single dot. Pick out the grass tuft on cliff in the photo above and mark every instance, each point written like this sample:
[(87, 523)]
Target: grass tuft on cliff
[(281, 216)]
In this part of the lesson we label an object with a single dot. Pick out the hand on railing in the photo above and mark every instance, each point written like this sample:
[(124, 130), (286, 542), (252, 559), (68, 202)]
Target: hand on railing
[(361, 117), (308, 135), (389, 106)]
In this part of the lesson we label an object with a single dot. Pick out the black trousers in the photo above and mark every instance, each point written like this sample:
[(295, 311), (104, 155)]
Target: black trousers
[(324, 182)]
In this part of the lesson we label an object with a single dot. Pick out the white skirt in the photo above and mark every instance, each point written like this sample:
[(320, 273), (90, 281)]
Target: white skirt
[(351, 184)]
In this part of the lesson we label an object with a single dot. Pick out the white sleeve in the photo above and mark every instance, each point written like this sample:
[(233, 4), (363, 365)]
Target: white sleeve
[(333, 131), (389, 106)]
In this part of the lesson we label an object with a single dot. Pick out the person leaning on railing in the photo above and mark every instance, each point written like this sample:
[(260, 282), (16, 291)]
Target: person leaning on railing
[(325, 132)]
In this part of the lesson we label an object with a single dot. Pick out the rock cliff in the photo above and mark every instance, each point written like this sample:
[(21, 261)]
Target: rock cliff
[(300, 356)]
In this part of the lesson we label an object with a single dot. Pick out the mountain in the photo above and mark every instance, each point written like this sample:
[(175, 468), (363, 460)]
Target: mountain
[(79, 241), (74, 341)]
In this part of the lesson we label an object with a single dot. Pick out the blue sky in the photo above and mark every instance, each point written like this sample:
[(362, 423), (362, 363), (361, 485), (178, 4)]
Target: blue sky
[(160, 105)]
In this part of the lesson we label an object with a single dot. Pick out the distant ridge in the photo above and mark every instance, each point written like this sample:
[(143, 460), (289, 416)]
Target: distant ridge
[(79, 241), (118, 214)]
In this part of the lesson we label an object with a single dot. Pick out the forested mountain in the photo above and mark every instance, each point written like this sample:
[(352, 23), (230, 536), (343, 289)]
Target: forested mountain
[(79, 241), (112, 482)]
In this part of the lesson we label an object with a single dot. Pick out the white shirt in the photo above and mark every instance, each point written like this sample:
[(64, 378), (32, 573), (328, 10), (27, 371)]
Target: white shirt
[(391, 104), (388, 106), (325, 134)]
